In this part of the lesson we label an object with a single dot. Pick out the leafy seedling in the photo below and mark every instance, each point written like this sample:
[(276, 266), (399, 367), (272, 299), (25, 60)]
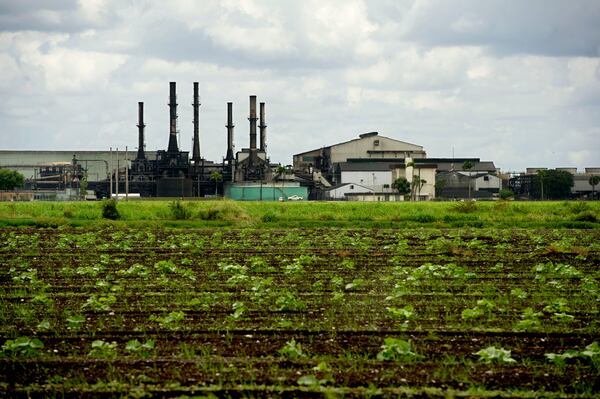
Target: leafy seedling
[(398, 350), (405, 313), (104, 350), (591, 353), (22, 346), (292, 350), (143, 349), (75, 322), (491, 354), (312, 381)]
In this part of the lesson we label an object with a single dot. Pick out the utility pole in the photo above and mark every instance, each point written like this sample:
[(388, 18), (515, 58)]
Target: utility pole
[(126, 176), (541, 175), (110, 178), (117, 176)]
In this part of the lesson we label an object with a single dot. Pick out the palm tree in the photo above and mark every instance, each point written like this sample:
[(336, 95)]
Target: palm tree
[(216, 176), (402, 185), (280, 173), (422, 182), (541, 175), (411, 164), (468, 165), (594, 181)]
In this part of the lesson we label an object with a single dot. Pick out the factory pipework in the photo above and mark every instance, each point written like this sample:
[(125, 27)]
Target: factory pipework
[(263, 128), (229, 127), (252, 120), (173, 148), (196, 105), (141, 126)]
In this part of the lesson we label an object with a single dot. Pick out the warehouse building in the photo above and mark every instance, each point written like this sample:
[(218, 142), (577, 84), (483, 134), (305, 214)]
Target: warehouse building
[(453, 181), (366, 146), (366, 168)]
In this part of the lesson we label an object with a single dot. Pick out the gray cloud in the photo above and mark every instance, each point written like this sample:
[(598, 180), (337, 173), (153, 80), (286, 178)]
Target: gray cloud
[(519, 85), (553, 28), (51, 16)]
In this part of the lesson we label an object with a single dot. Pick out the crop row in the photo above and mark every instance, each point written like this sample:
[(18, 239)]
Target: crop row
[(246, 312)]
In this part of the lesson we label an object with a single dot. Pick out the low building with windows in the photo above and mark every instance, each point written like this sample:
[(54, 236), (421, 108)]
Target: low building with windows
[(366, 146)]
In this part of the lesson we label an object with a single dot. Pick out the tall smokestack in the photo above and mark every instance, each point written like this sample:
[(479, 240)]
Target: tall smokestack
[(229, 127), (173, 119), (196, 105), (252, 120), (263, 128), (141, 126)]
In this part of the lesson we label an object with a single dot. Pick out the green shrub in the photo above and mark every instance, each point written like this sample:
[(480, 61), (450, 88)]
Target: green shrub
[(179, 211), (224, 210), (424, 218), (465, 206), (269, 217), (110, 210), (209, 214), (52, 222), (576, 207), (68, 212), (327, 216), (506, 193), (586, 216), (501, 206)]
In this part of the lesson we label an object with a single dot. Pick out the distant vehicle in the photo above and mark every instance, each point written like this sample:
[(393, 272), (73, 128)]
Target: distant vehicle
[(280, 199), (295, 198)]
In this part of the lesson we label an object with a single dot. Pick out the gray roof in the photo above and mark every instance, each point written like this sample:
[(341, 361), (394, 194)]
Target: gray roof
[(483, 166), (360, 137), (366, 166)]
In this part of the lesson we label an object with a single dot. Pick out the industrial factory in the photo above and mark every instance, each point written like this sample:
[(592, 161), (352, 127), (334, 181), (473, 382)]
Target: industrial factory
[(245, 175), (172, 173), (360, 169)]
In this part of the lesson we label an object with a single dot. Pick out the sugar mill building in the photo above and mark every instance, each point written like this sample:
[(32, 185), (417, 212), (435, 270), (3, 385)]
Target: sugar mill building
[(246, 174), (364, 169)]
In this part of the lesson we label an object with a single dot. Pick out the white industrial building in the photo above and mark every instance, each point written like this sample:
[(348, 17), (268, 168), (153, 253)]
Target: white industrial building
[(372, 180), (366, 146), (366, 168)]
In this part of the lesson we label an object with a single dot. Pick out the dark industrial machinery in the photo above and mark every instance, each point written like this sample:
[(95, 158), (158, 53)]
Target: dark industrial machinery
[(172, 173), (252, 163)]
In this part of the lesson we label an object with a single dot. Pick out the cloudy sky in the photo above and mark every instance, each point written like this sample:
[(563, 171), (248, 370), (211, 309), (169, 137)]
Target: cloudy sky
[(516, 82)]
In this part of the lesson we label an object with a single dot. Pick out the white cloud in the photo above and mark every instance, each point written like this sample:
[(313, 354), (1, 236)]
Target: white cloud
[(467, 24), (481, 77)]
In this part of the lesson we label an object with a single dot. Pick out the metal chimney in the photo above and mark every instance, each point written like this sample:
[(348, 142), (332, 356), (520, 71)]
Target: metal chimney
[(196, 105), (141, 126), (252, 120), (229, 127), (173, 119), (263, 128)]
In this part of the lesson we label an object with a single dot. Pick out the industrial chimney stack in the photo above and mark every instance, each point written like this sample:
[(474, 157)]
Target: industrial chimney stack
[(229, 127), (263, 129), (173, 119), (252, 120), (141, 126), (196, 105)]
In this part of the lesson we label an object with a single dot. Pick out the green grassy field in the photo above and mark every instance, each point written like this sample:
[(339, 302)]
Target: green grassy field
[(308, 214)]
